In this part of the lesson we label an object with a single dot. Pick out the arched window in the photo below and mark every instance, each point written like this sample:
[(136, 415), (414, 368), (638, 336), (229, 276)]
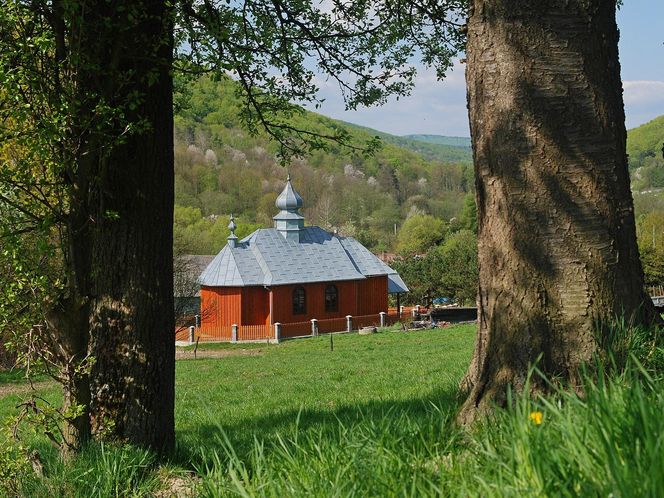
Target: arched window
[(331, 298), (299, 301)]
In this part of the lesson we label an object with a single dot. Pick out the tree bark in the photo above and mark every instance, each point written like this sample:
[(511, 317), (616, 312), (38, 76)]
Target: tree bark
[(126, 62), (557, 243)]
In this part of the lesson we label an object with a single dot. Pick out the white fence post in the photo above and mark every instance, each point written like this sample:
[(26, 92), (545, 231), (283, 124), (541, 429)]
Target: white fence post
[(314, 327), (234, 332), (349, 323), (383, 317), (277, 332)]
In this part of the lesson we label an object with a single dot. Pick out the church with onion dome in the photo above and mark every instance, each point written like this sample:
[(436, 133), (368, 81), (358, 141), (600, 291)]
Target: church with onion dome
[(288, 274)]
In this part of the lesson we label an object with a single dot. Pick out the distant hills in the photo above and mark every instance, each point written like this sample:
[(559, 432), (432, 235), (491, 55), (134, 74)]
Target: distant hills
[(645, 141), (431, 147), (463, 142), (644, 147), (220, 169)]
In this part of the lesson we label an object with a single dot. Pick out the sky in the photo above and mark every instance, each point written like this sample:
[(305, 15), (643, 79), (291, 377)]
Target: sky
[(439, 107)]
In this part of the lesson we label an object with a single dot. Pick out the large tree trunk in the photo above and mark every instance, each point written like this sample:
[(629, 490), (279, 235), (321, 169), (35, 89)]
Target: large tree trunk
[(557, 244), (128, 47)]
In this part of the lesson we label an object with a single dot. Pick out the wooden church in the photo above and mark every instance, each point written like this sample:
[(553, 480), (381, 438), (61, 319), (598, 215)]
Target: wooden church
[(291, 274)]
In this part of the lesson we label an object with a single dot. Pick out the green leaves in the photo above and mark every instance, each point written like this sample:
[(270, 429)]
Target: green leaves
[(280, 51)]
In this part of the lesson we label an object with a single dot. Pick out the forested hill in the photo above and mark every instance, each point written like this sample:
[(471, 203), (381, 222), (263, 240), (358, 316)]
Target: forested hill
[(431, 147), (644, 146), (463, 142), (220, 169)]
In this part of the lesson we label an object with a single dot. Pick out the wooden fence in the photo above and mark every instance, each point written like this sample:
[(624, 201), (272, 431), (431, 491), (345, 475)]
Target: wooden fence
[(331, 325), (297, 329), (288, 330)]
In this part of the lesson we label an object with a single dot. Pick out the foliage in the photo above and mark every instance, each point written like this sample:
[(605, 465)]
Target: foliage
[(645, 147), (419, 233), (645, 141), (13, 461), (431, 147), (445, 270), (459, 271), (650, 236), (277, 50), (461, 142), (195, 234), (350, 427), (468, 218), (221, 169), (422, 275)]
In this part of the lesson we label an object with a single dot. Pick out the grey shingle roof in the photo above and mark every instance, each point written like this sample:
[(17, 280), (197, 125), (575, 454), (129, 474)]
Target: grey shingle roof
[(267, 258)]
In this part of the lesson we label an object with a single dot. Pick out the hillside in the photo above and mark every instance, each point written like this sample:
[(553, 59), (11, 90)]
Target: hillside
[(220, 168), (431, 147), (644, 147), (463, 142)]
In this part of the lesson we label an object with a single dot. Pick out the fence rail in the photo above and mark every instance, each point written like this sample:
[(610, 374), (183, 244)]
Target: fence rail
[(331, 325), (288, 330), (215, 333), (296, 329), (392, 318), (254, 332)]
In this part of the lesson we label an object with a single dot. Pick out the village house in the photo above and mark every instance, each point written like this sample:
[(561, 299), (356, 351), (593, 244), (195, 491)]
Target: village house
[(292, 280)]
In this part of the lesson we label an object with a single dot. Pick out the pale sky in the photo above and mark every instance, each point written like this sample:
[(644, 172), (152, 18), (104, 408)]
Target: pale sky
[(439, 107)]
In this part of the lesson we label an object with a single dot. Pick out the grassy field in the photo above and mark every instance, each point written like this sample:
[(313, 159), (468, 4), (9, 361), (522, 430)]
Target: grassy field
[(374, 418), (268, 393), (304, 382)]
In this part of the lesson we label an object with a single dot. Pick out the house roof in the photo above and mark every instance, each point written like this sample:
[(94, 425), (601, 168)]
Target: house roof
[(266, 257), (291, 253), (186, 269)]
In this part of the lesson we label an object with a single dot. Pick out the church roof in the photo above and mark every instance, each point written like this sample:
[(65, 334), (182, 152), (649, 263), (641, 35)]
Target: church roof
[(266, 257)]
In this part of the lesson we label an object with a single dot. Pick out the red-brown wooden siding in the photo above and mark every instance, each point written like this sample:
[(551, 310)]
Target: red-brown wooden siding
[(255, 306), (222, 306), (355, 297), (372, 295)]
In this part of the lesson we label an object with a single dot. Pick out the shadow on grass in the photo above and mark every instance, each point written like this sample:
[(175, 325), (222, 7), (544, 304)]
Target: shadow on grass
[(432, 412)]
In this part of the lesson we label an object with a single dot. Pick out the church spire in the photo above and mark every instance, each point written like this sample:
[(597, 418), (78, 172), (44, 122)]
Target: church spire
[(232, 238), (289, 221)]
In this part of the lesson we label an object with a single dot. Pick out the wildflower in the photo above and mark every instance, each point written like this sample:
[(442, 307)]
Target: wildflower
[(536, 417)]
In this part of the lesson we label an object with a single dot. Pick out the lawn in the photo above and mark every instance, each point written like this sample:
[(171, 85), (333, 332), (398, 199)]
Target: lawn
[(303, 381), (271, 393), (374, 417)]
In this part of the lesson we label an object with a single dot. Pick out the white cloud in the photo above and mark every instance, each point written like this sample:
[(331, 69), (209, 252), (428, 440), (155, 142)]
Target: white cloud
[(644, 100), (641, 92), (434, 107)]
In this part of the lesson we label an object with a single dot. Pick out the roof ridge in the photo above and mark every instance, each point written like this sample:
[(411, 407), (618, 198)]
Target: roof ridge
[(261, 262), (348, 255), (237, 267)]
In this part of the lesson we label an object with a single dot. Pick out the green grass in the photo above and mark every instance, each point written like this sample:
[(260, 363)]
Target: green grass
[(374, 418), (303, 380)]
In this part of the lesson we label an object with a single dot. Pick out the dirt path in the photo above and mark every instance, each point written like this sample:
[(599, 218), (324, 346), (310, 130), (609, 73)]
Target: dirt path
[(180, 354), (23, 387), (188, 354)]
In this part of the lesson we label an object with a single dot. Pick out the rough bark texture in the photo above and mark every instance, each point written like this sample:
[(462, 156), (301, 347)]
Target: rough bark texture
[(128, 46), (66, 338), (557, 243)]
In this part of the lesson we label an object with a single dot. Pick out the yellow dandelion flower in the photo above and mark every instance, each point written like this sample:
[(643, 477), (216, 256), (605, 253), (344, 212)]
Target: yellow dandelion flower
[(536, 417)]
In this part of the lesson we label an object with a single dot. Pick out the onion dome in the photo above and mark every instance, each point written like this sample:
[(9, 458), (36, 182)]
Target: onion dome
[(289, 199), (289, 221)]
